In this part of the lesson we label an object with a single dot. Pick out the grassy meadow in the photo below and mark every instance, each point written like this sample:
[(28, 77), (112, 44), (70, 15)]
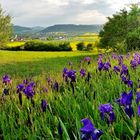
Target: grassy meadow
[(53, 109), (24, 63)]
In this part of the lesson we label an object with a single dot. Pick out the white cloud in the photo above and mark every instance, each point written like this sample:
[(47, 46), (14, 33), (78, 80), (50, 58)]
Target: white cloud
[(90, 16), (120, 4), (49, 12), (57, 2), (87, 1)]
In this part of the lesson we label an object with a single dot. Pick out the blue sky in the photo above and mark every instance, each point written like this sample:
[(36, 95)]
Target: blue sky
[(50, 12)]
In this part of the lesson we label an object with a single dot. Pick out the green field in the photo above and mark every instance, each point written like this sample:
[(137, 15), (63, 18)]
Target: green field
[(24, 63), (23, 118)]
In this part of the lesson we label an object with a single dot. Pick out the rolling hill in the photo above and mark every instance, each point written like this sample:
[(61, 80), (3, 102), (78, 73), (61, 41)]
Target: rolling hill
[(26, 30), (72, 28), (66, 28)]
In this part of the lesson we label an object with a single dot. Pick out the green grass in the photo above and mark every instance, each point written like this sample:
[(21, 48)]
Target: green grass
[(64, 107), (24, 63)]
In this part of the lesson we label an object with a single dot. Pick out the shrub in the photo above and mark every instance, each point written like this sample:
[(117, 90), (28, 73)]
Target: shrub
[(45, 46), (81, 46), (42, 46), (89, 47)]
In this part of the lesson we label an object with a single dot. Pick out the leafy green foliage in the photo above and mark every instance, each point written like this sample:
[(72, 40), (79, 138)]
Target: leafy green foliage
[(133, 39), (118, 26), (5, 28), (41, 46), (114, 30)]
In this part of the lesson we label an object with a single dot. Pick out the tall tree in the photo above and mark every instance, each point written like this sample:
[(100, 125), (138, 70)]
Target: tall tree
[(118, 27), (5, 28), (114, 30)]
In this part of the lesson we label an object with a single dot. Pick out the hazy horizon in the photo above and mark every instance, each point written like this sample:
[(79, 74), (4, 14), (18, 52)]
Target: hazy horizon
[(54, 24), (44, 13)]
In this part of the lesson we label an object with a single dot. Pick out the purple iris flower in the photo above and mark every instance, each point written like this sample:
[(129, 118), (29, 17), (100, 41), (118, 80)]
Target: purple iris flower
[(129, 111), (88, 131), (49, 81), (20, 88), (44, 105), (139, 110), (124, 70), (124, 79), (133, 63), (130, 83), (87, 59), (6, 91), (82, 72), (127, 81), (137, 97), (139, 61), (126, 101), (100, 66), (32, 84), (114, 56), (65, 70), (116, 69), (73, 78), (107, 109), (99, 59), (45, 89), (128, 55), (6, 80), (71, 72), (29, 90), (71, 75), (25, 81), (65, 74), (70, 63), (107, 65), (120, 60), (56, 86)]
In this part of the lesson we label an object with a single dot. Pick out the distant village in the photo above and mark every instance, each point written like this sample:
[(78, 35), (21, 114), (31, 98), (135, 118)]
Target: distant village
[(46, 37)]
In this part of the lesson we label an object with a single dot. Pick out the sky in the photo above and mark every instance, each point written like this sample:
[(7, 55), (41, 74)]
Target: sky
[(49, 12)]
